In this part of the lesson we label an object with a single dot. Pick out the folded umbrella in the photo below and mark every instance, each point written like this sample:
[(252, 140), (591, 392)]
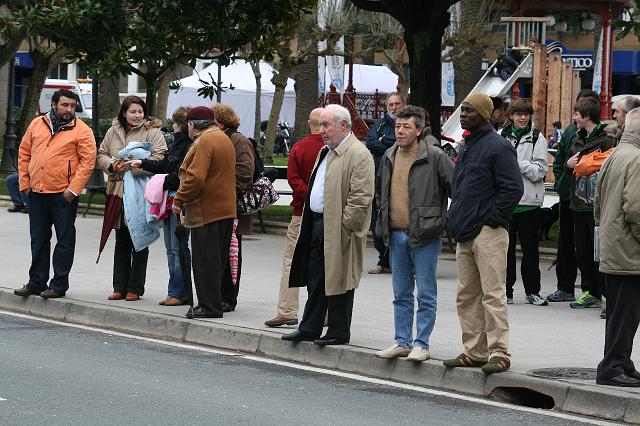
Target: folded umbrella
[(185, 260)]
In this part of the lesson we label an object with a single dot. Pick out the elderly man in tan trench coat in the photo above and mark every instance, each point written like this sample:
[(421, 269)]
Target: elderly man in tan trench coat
[(335, 222)]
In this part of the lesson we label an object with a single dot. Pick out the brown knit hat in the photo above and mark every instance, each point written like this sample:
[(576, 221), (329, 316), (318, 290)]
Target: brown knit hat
[(482, 103), (201, 113)]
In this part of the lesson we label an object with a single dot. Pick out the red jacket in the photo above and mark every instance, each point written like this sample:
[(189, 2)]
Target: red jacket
[(299, 167)]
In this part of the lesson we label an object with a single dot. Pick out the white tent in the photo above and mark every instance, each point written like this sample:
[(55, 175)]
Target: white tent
[(368, 79), (243, 96)]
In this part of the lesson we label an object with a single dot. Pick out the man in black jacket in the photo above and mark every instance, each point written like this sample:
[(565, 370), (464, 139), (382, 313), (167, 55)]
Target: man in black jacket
[(487, 186), (381, 137)]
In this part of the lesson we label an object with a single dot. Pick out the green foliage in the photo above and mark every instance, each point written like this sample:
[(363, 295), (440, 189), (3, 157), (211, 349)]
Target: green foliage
[(631, 25), (151, 37)]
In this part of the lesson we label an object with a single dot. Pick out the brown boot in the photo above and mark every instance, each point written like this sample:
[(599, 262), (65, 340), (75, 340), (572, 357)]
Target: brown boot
[(278, 321), (115, 296), (132, 297), (174, 301)]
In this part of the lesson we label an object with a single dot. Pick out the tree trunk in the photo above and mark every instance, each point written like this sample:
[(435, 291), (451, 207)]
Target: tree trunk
[(424, 45), (468, 66), (163, 95), (255, 66), (151, 97), (109, 105), (9, 49), (42, 63), (279, 80), (306, 94)]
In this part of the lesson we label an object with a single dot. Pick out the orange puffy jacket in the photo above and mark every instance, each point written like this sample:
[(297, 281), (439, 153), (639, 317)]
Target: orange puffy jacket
[(51, 162), (591, 162)]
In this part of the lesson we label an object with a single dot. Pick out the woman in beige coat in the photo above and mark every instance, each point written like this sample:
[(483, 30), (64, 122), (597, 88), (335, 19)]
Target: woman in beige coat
[(131, 125)]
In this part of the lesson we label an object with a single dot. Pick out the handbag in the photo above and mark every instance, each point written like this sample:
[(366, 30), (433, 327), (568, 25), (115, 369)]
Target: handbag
[(255, 198)]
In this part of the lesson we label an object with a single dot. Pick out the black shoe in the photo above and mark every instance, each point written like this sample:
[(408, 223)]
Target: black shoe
[(15, 209), (25, 210), (326, 340), (298, 336), (199, 312), (228, 307), (622, 380), (24, 292), (635, 374)]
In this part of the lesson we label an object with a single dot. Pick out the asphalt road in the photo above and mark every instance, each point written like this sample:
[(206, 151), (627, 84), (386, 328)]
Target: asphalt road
[(58, 375)]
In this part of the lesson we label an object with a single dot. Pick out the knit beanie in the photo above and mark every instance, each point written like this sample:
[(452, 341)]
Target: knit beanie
[(482, 103), (201, 113)]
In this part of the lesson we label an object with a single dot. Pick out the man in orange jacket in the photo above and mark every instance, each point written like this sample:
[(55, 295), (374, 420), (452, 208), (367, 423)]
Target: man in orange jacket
[(57, 155)]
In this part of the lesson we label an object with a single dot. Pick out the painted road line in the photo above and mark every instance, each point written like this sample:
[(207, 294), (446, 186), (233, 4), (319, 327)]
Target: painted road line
[(351, 376)]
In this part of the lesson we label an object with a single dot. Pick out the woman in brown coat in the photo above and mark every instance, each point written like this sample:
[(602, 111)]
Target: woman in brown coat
[(131, 125), (228, 121)]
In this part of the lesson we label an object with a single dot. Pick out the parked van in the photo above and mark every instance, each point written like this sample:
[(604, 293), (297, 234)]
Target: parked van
[(83, 90)]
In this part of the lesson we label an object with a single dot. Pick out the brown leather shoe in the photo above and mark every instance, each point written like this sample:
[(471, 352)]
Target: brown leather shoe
[(50, 294), (162, 302), (278, 321), (24, 291), (115, 296), (132, 297), (174, 301)]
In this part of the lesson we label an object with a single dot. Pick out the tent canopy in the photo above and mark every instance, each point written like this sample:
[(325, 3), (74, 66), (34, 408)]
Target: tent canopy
[(368, 79), (242, 98), (239, 74)]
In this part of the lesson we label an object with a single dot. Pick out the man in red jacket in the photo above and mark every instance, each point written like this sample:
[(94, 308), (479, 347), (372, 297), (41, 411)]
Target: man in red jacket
[(300, 165)]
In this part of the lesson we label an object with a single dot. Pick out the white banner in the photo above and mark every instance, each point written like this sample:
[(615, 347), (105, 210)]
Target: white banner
[(597, 66), (448, 85), (322, 72), (335, 65)]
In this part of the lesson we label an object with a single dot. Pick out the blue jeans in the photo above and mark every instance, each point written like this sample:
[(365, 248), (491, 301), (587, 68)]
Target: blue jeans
[(176, 278), (13, 186), (47, 210), (405, 262)]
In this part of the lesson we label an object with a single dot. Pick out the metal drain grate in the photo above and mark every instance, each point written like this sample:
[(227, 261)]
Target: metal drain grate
[(565, 373)]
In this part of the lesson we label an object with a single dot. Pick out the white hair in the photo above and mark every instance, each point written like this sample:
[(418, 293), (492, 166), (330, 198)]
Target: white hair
[(632, 122), (340, 113)]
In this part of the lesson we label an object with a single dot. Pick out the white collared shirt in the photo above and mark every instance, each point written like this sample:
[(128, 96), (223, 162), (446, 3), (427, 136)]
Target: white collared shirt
[(316, 199)]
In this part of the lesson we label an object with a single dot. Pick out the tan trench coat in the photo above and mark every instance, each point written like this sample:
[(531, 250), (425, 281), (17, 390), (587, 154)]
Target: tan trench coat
[(348, 196)]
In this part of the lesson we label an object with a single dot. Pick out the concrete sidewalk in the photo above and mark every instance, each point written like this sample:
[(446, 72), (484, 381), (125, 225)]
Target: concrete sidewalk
[(541, 337)]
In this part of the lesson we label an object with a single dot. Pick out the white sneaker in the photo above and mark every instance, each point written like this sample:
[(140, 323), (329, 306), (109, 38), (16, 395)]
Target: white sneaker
[(394, 351), (536, 300), (419, 354)]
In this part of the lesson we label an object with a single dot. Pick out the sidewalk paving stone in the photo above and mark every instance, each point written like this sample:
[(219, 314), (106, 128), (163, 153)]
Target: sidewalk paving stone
[(540, 337)]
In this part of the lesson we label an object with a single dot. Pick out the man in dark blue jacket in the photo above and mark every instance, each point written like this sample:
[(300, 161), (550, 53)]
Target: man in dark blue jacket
[(487, 186), (381, 137)]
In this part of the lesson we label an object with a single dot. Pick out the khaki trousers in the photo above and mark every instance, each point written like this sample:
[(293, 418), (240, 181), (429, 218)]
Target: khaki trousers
[(288, 303), (482, 300)]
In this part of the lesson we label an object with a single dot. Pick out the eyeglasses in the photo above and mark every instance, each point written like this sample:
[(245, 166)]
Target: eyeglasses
[(522, 114)]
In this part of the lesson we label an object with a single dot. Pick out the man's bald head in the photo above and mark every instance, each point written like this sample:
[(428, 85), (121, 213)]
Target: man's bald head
[(314, 120)]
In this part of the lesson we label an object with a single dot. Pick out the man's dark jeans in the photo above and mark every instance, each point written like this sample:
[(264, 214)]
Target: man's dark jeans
[(566, 267), (46, 210), (583, 229)]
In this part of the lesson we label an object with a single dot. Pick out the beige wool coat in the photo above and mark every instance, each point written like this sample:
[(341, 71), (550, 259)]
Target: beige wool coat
[(348, 196), (116, 139)]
